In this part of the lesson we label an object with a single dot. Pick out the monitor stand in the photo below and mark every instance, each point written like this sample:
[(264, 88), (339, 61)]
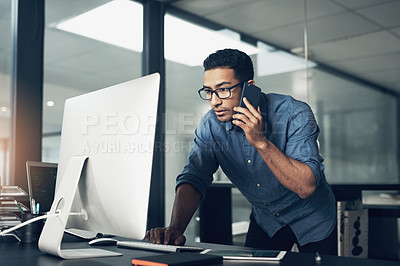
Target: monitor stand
[(53, 230)]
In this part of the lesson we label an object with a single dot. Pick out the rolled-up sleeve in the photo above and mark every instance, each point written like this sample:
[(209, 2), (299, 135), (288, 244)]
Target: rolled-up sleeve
[(302, 140), (201, 163)]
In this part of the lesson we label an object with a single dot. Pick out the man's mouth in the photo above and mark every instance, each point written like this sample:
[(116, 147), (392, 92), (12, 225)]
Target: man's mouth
[(220, 112)]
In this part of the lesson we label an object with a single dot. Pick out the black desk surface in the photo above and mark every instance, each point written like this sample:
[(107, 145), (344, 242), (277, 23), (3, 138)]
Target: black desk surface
[(15, 253)]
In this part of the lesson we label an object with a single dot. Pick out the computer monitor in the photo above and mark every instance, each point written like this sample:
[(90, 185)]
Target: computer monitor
[(104, 168), (41, 179)]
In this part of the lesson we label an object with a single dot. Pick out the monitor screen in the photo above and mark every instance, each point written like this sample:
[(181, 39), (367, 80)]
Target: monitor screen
[(110, 133), (41, 179)]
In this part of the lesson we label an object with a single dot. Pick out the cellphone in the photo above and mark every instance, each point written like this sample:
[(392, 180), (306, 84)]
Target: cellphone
[(252, 93)]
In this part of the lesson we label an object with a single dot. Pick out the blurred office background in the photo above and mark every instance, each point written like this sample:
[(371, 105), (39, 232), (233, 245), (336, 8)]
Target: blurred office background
[(342, 57)]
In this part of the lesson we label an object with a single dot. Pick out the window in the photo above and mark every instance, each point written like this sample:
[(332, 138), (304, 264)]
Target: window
[(77, 62)]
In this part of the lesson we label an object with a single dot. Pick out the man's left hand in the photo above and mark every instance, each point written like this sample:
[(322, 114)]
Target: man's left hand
[(250, 120)]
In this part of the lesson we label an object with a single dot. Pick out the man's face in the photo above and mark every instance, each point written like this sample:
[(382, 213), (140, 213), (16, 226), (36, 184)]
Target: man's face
[(222, 78)]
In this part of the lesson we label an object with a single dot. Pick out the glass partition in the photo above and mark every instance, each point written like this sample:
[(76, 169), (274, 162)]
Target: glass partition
[(359, 130), (89, 45), (5, 89), (358, 123)]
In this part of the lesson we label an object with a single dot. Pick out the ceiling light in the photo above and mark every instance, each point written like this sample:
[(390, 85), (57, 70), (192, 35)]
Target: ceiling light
[(272, 61), (50, 103), (190, 44), (4, 109), (120, 23)]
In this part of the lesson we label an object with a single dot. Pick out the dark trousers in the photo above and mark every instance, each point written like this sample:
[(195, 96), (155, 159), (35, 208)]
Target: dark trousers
[(285, 238)]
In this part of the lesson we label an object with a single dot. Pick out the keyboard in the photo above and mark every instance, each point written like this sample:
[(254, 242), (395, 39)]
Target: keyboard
[(157, 247)]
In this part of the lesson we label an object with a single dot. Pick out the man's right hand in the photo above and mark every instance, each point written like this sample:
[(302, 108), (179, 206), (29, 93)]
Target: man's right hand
[(165, 235), (187, 200)]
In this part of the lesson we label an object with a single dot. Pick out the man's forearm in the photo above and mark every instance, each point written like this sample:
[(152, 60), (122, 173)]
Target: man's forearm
[(294, 175), (187, 200)]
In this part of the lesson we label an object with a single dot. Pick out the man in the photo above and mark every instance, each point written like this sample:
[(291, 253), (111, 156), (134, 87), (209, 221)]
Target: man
[(269, 153)]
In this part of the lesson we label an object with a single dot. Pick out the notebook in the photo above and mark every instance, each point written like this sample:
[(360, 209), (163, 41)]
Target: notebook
[(177, 259)]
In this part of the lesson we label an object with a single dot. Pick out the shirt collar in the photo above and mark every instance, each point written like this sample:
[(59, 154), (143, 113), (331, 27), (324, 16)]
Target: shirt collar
[(228, 125)]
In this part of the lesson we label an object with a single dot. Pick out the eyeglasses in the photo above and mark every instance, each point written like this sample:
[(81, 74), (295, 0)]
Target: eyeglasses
[(221, 93)]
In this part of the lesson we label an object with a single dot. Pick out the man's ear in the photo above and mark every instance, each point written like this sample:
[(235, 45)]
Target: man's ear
[(251, 82)]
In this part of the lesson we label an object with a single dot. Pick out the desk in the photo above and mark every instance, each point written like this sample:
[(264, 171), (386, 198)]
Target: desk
[(14, 253)]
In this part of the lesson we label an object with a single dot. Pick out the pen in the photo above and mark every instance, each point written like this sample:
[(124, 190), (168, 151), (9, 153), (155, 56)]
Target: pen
[(33, 208), (19, 207)]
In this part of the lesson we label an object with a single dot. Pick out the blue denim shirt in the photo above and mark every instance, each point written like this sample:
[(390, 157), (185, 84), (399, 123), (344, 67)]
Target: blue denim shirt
[(291, 126)]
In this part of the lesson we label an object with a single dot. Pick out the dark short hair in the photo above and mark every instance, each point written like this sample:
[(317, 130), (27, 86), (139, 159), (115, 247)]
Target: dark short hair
[(234, 59)]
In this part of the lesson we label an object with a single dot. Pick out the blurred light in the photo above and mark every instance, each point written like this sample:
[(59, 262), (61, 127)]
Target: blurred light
[(4, 109), (50, 103)]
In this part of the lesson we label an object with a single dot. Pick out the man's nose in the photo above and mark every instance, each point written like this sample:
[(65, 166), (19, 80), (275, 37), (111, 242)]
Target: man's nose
[(215, 100)]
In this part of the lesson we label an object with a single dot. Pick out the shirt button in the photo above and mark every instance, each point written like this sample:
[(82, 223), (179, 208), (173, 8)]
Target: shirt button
[(249, 161), (277, 214), (258, 185), (268, 204)]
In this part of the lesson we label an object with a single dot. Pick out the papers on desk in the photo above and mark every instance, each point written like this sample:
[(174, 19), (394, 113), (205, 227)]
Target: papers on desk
[(7, 206), (12, 191), (9, 221), (11, 206)]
